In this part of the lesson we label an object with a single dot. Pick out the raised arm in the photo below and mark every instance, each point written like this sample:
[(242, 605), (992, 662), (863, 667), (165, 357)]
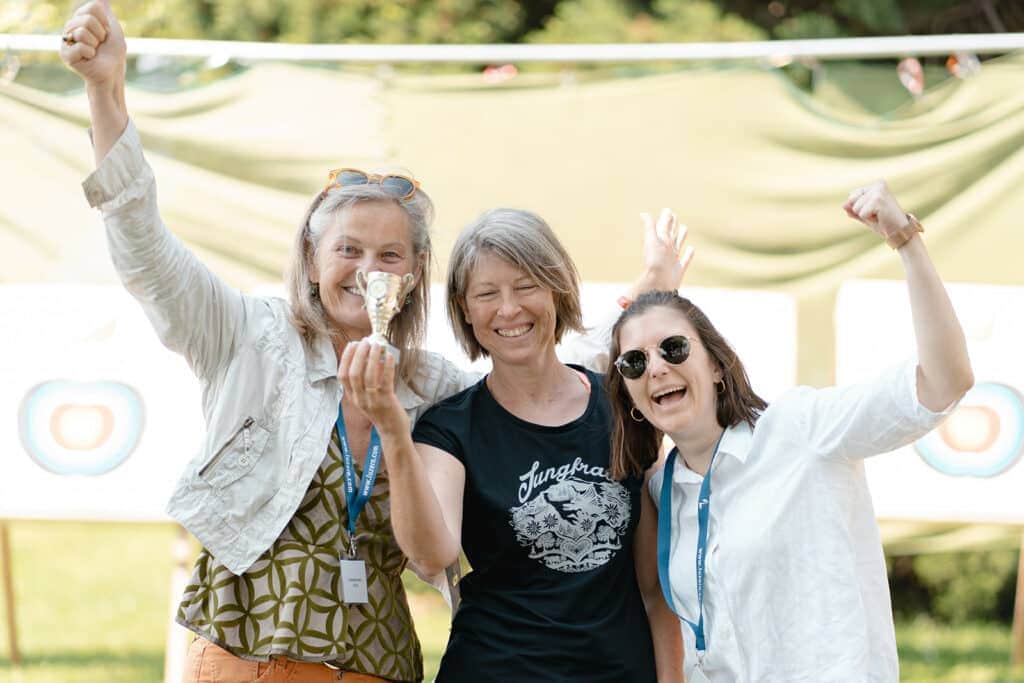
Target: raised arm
[(426, 482), (663, 268), (944, 369), (94, 47), (193, 312)]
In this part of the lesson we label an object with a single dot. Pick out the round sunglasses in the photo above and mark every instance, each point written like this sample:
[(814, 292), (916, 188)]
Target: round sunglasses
[(398, 186), (632, 364)]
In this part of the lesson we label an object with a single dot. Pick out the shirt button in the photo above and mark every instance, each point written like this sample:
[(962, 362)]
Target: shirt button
[(244, 460)]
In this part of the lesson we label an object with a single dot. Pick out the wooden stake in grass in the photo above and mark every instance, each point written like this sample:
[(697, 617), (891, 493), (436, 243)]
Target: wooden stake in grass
[(1017, 640), (5, 569)]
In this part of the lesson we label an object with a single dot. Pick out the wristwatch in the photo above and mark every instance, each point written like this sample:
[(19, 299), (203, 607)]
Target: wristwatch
[(900, 237)]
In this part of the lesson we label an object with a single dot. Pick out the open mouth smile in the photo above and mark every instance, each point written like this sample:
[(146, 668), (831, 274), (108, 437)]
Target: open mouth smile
[(669, 395), (512, 332)]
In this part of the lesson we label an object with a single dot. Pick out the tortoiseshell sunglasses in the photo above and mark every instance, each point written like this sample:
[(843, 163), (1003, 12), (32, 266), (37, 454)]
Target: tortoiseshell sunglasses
[(398, 186)]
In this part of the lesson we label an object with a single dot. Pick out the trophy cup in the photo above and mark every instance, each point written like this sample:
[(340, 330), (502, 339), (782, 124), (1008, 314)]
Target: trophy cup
[(383, 296)]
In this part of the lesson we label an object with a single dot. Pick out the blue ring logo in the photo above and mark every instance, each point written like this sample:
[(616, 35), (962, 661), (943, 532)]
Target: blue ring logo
[(85, 428), (983, 437)]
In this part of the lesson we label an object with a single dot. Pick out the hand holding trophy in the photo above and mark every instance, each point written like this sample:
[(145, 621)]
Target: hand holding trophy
[(383, 296)]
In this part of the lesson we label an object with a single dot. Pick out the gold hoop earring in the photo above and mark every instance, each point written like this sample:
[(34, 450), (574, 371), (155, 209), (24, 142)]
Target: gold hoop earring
[(633, 414), (720, 387)]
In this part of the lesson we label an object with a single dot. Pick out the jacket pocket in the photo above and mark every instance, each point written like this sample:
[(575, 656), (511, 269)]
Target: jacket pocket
[(237, 455)]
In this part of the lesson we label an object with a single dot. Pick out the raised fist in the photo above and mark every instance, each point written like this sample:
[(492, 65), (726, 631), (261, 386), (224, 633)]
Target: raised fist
[(93, 44)]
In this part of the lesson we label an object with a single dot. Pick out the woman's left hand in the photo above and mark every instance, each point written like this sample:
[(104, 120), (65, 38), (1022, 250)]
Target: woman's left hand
[(875, 206), (664, 267), (367, 374)]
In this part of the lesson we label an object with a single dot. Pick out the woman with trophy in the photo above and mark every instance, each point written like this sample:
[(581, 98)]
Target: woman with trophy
[(515, 470), (300, 573)]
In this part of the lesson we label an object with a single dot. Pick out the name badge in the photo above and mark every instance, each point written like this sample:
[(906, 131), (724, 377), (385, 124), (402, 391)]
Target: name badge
[(353, 582)]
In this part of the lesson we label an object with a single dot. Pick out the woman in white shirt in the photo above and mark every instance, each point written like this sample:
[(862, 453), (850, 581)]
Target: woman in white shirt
[(768, 548)]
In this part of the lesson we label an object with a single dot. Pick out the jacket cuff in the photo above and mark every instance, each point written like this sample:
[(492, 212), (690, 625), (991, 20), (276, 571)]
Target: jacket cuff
[(121, 171)]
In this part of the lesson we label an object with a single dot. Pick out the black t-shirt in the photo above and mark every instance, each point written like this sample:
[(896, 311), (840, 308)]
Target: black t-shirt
[(553, 595)]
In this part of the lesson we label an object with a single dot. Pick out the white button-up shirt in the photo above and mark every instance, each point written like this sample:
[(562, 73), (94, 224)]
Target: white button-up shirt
[(795, 580)]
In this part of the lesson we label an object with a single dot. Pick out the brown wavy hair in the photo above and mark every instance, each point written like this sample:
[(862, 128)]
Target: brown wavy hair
[(635, 444)]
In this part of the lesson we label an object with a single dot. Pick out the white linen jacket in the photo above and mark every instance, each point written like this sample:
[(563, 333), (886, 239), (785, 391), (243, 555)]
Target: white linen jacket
[(270, 400)]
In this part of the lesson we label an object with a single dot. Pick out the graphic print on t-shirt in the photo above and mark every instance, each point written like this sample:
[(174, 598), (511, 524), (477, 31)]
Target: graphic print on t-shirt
[(572, 518)]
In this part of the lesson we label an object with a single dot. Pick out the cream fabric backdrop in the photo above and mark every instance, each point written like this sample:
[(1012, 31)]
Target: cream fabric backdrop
[(756, 167)]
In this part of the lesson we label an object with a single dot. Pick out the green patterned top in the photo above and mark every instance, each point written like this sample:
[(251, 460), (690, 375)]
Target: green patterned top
[(289, 602)]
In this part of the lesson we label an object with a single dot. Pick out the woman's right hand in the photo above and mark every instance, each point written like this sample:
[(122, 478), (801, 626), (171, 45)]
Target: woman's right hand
[(664, 267), (367, 374), (98, 53)]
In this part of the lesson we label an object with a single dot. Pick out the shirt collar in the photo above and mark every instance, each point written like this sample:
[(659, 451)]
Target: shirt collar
[(735, 443), (322, 362)]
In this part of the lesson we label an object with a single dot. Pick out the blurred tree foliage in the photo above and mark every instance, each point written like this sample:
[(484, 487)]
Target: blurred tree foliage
[(489, 21), (617, 21), (834, 18), (955, 588)]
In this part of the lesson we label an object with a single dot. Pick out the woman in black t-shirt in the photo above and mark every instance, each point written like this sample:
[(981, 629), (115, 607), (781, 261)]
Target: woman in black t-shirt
[(514, 469)]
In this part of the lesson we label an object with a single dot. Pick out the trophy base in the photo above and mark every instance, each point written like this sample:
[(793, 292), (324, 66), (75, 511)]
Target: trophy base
[(381, 340)]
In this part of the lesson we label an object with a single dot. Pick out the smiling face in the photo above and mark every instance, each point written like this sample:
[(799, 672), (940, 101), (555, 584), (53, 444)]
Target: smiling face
[(512, 316), (365, 236), (676, 399)]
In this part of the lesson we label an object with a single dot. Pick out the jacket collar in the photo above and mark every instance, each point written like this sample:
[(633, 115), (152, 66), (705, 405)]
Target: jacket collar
[(322, 363)]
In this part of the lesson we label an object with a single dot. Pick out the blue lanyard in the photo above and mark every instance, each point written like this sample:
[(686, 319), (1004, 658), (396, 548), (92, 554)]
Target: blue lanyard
[(665, 539), (356, 493)]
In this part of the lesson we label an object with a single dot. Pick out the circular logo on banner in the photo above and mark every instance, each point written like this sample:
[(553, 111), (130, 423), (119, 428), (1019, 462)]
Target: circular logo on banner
[(983, 437), (86, 428)]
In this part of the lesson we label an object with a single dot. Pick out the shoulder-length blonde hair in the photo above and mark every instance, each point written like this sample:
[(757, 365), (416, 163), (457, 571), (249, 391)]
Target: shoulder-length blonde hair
[(407, 329), (524, 240)]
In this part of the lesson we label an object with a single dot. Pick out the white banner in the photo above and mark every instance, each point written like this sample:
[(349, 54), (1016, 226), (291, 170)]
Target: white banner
[(99, 418), (968, 469)]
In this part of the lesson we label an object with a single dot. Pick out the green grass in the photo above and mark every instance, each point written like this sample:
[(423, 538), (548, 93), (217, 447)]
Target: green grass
[(974, 653), (92, 606)]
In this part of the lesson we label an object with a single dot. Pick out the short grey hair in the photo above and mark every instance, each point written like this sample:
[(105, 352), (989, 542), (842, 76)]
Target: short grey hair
[(409, 326), (524, 240)]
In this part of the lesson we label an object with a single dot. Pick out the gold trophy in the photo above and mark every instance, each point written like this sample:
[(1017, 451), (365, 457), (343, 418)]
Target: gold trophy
[(383, 297)]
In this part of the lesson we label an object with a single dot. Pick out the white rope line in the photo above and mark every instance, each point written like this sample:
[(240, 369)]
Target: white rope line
[(775, 51)]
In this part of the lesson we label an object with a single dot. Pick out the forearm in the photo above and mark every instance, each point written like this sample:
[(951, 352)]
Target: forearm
[(417, 518), (108, 113), (667, 637), (652, 279), (944, 366)]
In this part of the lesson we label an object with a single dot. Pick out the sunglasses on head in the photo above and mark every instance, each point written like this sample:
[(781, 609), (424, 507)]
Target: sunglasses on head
[(398, 186), (632, 364)]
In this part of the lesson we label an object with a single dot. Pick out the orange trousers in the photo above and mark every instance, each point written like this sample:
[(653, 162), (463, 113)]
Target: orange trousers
[(208, 663)]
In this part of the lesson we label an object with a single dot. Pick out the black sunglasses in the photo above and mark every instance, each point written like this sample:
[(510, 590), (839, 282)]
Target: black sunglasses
[(632, 364)]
